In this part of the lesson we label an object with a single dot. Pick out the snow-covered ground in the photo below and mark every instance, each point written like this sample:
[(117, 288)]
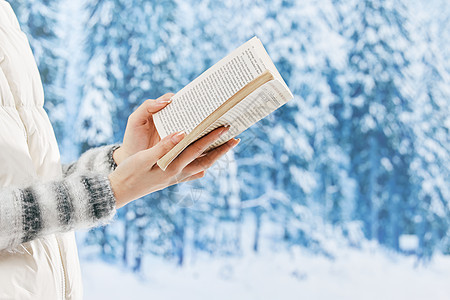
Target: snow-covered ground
[(353, 274)]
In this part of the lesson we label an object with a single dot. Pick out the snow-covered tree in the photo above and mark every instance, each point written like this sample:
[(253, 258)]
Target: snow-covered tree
[(373, 99), (41, 21), (430, 120), (365, 140)]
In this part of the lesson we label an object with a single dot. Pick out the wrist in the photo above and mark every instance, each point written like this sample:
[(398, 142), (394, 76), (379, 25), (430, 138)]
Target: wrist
[(118, 155), (117, 190)]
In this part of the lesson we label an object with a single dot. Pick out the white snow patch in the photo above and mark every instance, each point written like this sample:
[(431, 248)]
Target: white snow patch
[(354, 274), (409, 242)]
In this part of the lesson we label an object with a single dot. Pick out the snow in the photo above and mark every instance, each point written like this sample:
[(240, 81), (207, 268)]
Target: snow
[(354, 274), (363, 145), (409, 242), (305, 180)]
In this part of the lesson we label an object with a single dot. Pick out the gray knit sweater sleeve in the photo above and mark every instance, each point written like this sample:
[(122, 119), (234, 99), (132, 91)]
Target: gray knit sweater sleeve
[(99, 160), (82, 199)]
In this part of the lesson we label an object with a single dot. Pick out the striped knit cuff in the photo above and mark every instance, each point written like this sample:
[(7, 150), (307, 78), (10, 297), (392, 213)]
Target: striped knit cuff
[(99, 160), (95, 202), (79, 201)]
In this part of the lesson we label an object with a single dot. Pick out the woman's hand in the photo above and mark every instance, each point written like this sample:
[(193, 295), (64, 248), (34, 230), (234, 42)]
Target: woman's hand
[(141, 133), (139, 175)]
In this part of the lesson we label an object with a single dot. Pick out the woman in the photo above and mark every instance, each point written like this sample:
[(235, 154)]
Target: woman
[(41, 203)]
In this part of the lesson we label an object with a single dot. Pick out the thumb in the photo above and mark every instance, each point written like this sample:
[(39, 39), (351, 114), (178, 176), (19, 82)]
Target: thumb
[(153, 106), (149, 107), (164, 146)]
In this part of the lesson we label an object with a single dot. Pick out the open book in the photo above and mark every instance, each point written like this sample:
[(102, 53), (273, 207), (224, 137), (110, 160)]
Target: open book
[(239, 90)]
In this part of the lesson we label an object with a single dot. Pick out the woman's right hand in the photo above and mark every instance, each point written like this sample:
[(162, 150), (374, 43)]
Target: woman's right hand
[(139, 175)]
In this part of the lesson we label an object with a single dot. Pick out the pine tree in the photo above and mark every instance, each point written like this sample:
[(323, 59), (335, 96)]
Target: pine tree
[(374, 99), (430, 122), (40, 21), (302, 140)]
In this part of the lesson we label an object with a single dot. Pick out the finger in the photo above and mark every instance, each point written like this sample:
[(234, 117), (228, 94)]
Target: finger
[(198, 175), (196, 149), (160, 103), (164, 146), (149, 107), (206, 161)]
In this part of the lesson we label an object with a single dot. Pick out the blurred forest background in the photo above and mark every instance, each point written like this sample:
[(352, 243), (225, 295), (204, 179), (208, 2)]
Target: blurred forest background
[(361, 154)]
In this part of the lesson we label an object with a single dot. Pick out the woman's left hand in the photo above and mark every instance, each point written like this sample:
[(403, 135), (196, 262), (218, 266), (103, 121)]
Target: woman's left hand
[(141, 133)]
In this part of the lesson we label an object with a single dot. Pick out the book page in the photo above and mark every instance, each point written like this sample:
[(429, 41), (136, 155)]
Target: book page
[(256, 106), (206, 93)]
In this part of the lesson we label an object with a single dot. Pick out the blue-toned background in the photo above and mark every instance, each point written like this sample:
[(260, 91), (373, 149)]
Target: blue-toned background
[(343, 193)]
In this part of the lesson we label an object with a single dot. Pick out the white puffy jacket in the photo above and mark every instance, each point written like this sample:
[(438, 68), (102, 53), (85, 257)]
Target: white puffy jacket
[(40, 204)]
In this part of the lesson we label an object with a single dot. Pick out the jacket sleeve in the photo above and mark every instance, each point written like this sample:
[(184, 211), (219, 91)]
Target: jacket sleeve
[(75, 202), (99, 160)]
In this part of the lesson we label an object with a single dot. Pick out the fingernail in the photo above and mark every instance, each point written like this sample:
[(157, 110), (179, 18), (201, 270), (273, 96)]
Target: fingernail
[(236, 143), (178, 137), (164, 100)]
